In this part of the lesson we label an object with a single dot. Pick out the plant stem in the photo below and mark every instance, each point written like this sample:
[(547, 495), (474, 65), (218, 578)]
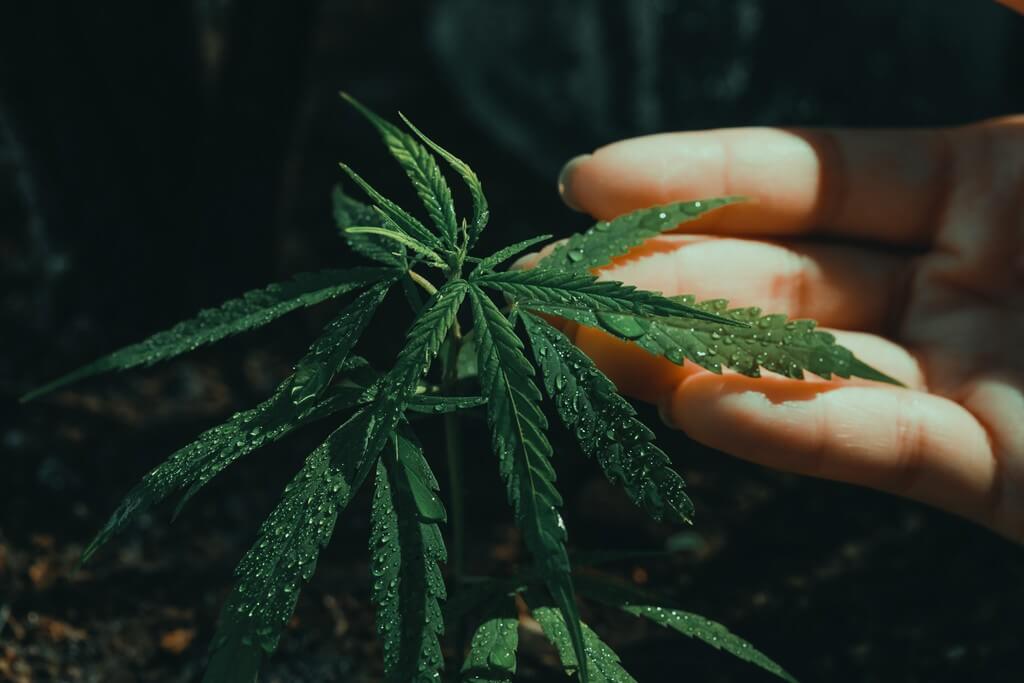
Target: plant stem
[(423, 282), (453, 446)]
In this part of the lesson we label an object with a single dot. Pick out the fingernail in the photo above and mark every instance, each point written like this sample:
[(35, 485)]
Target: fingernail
[(565, 181)]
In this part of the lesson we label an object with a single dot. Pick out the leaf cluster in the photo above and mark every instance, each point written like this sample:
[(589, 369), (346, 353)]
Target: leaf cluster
[(520, 361)]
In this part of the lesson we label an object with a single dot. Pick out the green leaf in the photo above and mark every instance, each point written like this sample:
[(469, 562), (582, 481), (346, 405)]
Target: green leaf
[(290, 539), (315, 371), (711, 632), (492, 651), (253, 309), (406, 547), (607, 239), (420, 166), (605, 424), (285, 553), (400, 219), (636, 601), (196, 464), (508, 252), (518, 435), (403, 239), (438, 405), (349, 212), (585, 294), (481, 213), (772, 342), (602, 662)]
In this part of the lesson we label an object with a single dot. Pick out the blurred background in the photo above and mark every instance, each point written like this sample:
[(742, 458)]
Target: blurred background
[(156, 158)]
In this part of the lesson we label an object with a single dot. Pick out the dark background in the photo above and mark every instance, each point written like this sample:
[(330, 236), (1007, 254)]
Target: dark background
[(156, 158)]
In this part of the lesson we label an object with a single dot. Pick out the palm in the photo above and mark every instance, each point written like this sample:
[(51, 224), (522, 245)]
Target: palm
[(926, 283)]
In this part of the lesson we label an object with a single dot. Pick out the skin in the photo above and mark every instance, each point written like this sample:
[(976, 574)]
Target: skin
[(908, 245)]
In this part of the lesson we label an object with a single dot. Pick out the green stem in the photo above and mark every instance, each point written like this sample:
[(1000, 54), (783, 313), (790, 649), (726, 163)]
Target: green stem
[(453, 446), (423, 282)]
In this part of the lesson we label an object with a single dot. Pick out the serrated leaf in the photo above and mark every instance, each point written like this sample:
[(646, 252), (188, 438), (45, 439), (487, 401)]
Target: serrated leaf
[(787, 347), (492, 651), (438, 405), (315, 371), (599, 245), (605, 424), (508, 252), (401, 219), (481, 213), (602, 662), (422, 169), (290, 539), (582, 292), (192, 467), (518, 436), (349, 212), (284, 556), (253, 309), (710, 632), (401, 238), (406, 547)]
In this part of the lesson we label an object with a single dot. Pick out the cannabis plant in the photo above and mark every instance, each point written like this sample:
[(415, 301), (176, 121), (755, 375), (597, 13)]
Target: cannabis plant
[(516, 356)]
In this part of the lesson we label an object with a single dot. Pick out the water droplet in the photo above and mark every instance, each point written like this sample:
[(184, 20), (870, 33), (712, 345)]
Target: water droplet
[(575, 255), (624, 325)]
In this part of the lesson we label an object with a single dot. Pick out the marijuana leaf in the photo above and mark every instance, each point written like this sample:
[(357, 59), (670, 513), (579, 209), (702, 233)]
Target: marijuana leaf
[(787, 347), (349, 212), (635, 601), (508, 252), (420, 166), (518, 437), (402, 239), (605, 424), (285, 554), (604, 241), (406, 546), (197, 463), (711, 632), (444, 404), (481, 213), (602, 662), (555, 291), (314, 372), (492, 652), (253, 309), (395, 216)]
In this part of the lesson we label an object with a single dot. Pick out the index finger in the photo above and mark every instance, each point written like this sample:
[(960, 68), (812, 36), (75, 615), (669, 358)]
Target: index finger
[(880, 185)]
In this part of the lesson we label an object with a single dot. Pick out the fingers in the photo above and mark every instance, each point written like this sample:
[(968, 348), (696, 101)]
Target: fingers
[(845, 287), (904, 442), (875, 185), (1017, 5)]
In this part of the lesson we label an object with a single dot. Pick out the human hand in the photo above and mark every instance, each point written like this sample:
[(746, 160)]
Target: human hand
[(909, 244)]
